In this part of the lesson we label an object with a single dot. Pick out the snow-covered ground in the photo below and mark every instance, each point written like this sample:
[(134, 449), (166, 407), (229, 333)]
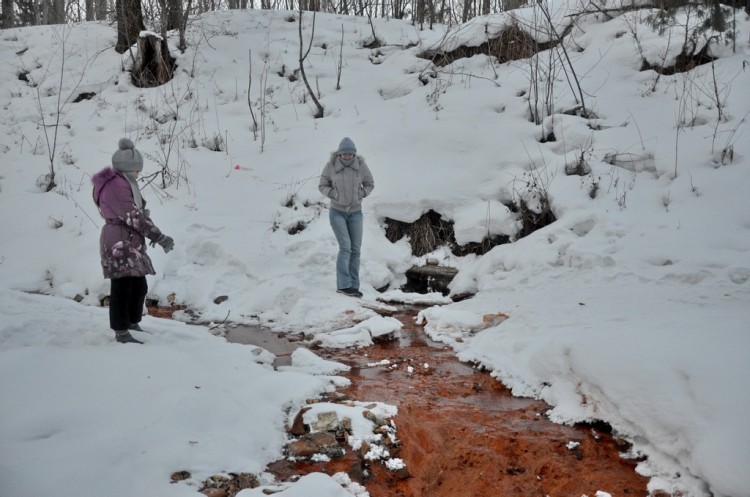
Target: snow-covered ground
[(633, 307)]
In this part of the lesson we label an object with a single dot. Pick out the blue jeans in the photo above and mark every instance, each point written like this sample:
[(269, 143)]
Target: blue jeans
[(347, 226)]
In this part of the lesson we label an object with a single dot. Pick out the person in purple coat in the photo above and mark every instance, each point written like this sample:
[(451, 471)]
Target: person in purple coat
[(122, 244)]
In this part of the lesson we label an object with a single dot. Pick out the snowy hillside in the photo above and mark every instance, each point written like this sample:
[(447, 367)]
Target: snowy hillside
[(633, 307)]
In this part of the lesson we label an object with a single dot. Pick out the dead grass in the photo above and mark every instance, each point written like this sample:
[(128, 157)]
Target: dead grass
[(510, 44), (425, 234), (683, 63), (431, 231), (531, 220)]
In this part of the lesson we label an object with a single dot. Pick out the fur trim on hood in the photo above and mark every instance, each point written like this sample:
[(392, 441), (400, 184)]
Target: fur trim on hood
[(101, 178)]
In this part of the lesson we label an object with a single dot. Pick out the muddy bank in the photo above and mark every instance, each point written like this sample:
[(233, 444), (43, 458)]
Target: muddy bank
[(461, 432)]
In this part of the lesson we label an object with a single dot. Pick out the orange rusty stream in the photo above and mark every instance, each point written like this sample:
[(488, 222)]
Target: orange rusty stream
[(463, 434)]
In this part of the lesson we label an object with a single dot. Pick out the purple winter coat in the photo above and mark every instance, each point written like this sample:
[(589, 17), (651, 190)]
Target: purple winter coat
[(122, 244)]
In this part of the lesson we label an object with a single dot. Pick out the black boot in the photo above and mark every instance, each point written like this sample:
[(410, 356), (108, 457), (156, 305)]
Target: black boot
[(124, 336), (135, 327), (352, 292)]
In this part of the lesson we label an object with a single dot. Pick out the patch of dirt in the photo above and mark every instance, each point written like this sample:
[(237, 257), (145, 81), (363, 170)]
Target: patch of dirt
[(165, 312)]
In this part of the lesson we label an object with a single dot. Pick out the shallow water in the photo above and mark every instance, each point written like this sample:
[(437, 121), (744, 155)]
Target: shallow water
[(462, 433), (279, 345)]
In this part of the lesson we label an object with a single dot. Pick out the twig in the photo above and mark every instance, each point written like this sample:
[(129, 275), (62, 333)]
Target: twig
[(221, 323), (341, 59), (249, 84), (643, 146)]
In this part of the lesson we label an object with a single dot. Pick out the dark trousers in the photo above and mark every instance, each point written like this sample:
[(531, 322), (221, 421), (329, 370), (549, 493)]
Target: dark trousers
[(126, 298)]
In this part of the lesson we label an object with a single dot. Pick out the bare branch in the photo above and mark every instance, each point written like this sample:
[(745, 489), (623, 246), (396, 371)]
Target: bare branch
[(249, 101), (302, 58)]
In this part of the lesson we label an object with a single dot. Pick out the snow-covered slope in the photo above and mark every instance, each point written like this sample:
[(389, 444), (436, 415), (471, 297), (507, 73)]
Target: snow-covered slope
[(633, 307)]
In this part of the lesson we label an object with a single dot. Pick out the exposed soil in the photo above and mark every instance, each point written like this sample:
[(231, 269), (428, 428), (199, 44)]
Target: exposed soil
[(462, 433), (164, 312)]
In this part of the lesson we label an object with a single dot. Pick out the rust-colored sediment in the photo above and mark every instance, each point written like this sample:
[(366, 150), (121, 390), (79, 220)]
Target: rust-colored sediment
[(164, 312), (464, 435)]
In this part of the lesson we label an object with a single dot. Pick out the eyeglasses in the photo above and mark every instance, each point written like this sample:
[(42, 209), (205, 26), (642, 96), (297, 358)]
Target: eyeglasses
[(347, 156)]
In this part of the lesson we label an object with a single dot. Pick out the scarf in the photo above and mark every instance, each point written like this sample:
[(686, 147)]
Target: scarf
[(346, 163), (137, 199)]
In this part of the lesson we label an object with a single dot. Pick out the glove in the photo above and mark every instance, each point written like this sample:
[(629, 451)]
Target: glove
[(166, 242)]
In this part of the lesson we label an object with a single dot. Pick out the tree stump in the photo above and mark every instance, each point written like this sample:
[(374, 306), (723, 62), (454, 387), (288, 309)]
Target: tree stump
[(154, 66)]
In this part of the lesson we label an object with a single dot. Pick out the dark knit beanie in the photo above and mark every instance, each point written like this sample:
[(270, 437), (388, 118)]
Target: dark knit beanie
[(127, 158), (347, 147)]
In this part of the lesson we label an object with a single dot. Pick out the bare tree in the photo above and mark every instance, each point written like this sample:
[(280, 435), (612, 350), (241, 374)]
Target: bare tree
[(173, 15), (302, 56), (420, 14), (7, 21), (50, 12), (51, 127), (58, 12), (341, 60), (249, 99), (90, 11), (467, 10), (398, 9), (102, 8), (558, 37), (183, 25), (129, 23), (513, 4)]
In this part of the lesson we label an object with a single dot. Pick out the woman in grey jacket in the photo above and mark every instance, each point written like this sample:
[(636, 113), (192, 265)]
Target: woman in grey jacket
[(346, 180)]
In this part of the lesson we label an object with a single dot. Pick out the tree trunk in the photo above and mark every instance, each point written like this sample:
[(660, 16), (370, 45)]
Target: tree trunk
[(129, 23), (43, 12), (302, 56), (183, 26), (467, 10), (513, 4), (7, 13), (56, 12), (102, 8), (174, 14)]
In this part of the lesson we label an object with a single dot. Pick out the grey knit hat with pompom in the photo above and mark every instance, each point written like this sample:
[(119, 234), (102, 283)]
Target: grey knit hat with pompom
[(127, 158), (346, 146)]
